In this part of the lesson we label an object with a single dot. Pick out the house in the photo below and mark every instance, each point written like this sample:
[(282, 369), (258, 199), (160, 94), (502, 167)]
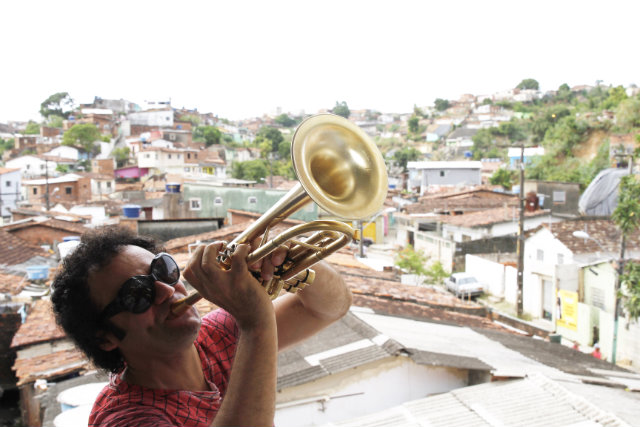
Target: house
[(32, 166), (103, 166), (64, 151), (130, 172), (10, 191), (425, 174), (561, 198), (70, 188), (160, 159), (43, 353), (461, 137), (40, 231), (152, 118), (568, 282), (529, 153)]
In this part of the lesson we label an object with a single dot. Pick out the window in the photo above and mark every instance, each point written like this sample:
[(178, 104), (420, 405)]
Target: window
[(188, 155), (35, 190), (108, 184), (217, 201), (67, 190), (252, 200), (540, 255), (559, 196), (194, 204), (7, 184), (196, 155), (441, 173), (169, 155)]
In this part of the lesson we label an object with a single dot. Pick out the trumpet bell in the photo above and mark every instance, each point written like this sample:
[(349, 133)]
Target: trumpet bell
[(339, 166)]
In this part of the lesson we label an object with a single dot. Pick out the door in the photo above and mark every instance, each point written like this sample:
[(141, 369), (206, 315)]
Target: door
[(547, 299)]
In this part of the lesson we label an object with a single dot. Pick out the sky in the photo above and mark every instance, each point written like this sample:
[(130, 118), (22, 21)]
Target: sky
[(240, 59)]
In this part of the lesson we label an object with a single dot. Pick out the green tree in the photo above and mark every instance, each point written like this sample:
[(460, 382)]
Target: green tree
[(252, 170), (83, 136), (270, 134), (285, 120), (414, 124), (62, 168), (628, 113), (528, 84), (441, 104), (503, 177), (121, 155), (58, 104), (6, 144), (194, 119), (54, 121), (405, 155), (412, 261), (211, 135), (436, 273), (341, 109), (630, 292), (32, 128), (616, 96)]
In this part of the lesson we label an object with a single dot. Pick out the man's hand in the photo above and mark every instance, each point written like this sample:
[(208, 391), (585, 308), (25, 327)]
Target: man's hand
[(235, 289)]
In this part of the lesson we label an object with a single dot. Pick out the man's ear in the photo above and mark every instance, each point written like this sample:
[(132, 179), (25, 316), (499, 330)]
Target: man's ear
[(110, 337)]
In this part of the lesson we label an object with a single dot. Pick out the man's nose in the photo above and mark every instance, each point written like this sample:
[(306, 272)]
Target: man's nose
[(163, 292)]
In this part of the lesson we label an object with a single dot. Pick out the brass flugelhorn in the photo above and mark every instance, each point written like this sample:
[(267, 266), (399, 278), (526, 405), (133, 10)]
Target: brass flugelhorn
[(340, 169)]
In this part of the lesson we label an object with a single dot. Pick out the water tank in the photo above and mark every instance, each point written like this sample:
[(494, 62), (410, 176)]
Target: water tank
[(84, 394), (37, 272), (71, 238), (172, 187), (131, 211)]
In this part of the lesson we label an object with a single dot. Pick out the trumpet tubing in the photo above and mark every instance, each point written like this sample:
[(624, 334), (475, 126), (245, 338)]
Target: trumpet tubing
[(342, 171)]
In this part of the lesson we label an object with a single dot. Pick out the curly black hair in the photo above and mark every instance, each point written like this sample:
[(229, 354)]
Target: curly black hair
[(73, 307)]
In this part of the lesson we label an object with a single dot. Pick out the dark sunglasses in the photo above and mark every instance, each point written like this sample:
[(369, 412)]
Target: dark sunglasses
[(137, 294)]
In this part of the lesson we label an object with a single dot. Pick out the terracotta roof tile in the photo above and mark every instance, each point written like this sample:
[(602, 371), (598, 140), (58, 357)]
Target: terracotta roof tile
[(604, 231), (40, 326), (50, 365), (489, 216), (11, 284), (57, 224), (14, 250)]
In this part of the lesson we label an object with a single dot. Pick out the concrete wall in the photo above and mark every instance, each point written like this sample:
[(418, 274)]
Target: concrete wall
[(164, 230), (363, 390)]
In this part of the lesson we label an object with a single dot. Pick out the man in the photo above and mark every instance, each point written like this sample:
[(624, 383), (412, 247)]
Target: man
[(113, 297)]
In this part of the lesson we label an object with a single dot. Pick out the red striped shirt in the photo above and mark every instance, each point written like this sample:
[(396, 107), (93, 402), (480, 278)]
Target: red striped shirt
[(123, 404)]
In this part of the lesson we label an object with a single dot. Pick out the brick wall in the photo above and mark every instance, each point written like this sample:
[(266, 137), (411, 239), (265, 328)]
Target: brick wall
[(103, 166)]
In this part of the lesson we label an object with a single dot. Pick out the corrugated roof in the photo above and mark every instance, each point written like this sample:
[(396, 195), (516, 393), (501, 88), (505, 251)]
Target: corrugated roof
[(346, 344), (533, 401)]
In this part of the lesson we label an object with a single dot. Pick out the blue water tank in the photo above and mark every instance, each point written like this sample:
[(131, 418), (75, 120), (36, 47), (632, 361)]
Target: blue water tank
[(37, 272), (172, 187), (71, 238), (131, 211)]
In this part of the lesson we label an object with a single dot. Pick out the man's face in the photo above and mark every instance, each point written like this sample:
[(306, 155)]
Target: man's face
[(155, 331)]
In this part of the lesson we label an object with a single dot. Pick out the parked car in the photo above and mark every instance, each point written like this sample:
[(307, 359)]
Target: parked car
[(464, 285)]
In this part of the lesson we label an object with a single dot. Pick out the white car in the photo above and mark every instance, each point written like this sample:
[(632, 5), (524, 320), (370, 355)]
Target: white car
[(464, 285)]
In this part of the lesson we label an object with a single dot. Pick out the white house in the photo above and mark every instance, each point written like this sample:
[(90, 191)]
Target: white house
[(161, 160), (425, 173), (161, 118), (65, 152), (32, 166), (10, 191)]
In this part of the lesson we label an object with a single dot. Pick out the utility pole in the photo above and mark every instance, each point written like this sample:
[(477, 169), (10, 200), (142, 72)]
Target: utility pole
[(520, 242)]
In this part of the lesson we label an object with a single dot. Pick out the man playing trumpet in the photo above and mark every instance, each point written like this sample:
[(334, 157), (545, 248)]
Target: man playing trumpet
[(114, 294)]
